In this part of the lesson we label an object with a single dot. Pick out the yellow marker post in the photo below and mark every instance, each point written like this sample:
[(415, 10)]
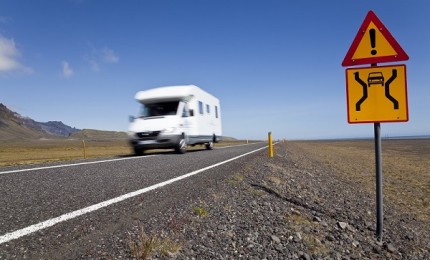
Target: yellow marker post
[(83, 146), (270, 145)]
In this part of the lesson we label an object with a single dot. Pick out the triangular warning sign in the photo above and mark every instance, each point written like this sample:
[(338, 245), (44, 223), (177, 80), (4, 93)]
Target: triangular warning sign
[(373, 44)]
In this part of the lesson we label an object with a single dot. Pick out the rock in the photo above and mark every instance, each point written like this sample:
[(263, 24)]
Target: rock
[(350, 228), (295, 212), (390, 248), (305, 256), (377, 250), (355, 243), (316, 219), (342, 225), (276, 239), (409, 237), (379, 243), (330, 238)]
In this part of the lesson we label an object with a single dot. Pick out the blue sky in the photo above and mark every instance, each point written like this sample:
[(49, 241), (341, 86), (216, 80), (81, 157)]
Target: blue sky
[(275, 65)]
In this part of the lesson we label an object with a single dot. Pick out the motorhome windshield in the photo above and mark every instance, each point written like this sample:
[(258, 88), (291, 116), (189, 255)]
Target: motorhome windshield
[(160, 109)]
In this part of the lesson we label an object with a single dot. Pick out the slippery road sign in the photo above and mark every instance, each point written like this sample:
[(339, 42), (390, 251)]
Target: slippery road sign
[(377, 94)]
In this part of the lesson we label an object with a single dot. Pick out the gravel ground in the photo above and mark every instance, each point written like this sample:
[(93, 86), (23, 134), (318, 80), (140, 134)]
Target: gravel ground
[(286, 207)]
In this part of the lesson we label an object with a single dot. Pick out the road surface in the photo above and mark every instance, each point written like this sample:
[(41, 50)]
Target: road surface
[(54, 210)]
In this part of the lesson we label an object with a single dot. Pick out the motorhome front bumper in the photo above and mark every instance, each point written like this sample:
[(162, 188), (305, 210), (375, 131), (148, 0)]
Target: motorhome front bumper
[(153, 141)]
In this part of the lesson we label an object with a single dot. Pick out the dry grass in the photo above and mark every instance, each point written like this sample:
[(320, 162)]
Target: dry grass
[(299, 222), (41, 151), (236, 179), (145, 246), (406, 168)]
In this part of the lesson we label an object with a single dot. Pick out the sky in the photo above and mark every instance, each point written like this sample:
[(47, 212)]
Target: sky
[(275, 65)]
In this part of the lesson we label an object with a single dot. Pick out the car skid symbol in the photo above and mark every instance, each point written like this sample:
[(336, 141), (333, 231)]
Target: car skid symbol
[(373, 79)]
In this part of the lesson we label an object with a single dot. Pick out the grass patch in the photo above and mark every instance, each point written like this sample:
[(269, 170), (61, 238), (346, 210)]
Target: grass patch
[(275, 180), (298, 220), (146, 246), (257, 192), (311, 240), (200, 211), (236, 179), (314, 245)]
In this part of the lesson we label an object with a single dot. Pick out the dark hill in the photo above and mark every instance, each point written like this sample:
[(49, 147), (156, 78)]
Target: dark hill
[(15, 126)]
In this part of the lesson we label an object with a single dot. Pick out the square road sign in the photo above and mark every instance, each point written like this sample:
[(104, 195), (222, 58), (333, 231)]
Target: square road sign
[(377, 94)]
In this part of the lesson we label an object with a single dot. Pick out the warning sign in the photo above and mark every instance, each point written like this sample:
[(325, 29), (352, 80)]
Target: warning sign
[(373, 44), (377, 94)]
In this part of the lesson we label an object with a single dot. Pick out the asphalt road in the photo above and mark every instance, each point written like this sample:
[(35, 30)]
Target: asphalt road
[(54, 210)]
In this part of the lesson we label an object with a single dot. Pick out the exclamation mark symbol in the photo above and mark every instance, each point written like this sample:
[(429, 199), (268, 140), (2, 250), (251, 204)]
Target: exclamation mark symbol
[(372, 34)]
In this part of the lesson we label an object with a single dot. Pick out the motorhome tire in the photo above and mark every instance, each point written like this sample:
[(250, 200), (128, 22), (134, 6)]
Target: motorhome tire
[(182, 145), (138, 151), (210, 146)]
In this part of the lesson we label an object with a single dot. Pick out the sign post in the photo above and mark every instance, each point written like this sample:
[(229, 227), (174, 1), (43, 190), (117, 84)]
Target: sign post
[(379, 199), (377, 93)]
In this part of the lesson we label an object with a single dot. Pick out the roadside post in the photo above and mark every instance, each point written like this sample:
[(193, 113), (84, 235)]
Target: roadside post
[(376, 94), (270, 145), (85, 149)]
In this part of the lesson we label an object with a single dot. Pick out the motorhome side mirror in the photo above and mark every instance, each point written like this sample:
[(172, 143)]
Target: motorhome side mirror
[(131, 119)]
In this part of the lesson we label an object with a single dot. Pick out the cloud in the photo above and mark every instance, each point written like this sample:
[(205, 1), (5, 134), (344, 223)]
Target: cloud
[(9, 57), (67, 70), (94, 65), (109, 56), (98, 57), (5, 19)]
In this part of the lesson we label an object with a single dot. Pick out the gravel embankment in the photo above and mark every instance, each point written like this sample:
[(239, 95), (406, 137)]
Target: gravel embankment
[(287, 207)]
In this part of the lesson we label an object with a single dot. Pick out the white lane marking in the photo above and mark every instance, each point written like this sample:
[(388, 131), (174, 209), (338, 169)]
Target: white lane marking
[(53, 221), (238, 145), (74, 164)]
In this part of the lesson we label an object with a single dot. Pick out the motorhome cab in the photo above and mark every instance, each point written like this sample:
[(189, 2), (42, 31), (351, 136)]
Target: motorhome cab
[(174, 117)]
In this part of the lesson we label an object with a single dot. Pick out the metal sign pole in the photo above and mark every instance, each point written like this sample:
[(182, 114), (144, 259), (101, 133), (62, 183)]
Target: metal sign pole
[(379, 204)]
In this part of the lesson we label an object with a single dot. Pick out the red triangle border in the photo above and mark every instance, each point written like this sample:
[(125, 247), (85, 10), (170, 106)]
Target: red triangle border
[(371, 17)]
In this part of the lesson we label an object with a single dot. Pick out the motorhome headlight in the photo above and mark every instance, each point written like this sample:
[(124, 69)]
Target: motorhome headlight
[(169, 130)]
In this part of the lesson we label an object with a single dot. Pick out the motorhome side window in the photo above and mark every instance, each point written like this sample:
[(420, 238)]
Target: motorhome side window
[(160, 109), (201, 107), (208, 110), (216, 111)]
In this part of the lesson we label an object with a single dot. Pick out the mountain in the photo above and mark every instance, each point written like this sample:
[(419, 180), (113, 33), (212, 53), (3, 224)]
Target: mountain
[(15, 126)]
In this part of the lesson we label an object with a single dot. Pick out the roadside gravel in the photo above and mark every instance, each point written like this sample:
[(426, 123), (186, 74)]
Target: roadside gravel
[(286, 207)]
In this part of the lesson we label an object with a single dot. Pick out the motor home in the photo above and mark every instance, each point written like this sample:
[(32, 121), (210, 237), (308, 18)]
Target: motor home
[(175, 117)]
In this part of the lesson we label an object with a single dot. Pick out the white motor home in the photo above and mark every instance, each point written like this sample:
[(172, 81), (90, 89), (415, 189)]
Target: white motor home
[(174, 117)]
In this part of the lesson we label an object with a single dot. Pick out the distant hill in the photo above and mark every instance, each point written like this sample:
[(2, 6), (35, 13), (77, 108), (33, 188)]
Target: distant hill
[(91, 134), (15, 126)]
